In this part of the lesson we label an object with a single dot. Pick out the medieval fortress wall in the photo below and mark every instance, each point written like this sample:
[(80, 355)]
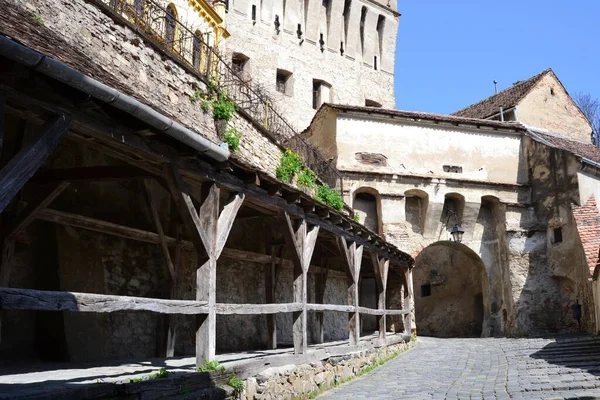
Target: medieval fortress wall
[(344, 50)]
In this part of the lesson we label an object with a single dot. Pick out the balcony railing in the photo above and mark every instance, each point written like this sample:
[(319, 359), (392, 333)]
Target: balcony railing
[(192, 49)]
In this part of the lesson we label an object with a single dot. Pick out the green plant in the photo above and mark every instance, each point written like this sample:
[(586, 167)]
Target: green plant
[(205, 105), (184, 390), (289, 165), (37, 19), (413, 337), (331, 197), (210, 366), (356, 217), (161, 373), (224, 108), (236, 383), (232, 137), (307, 178), (197, 95)]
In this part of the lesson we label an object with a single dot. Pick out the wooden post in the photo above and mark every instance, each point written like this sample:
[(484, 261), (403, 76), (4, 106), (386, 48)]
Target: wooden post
[(381, 268), (23, 165), (209, 230), (301, 240), (408, 290), (271, 278), (352, 255), (320, 283)]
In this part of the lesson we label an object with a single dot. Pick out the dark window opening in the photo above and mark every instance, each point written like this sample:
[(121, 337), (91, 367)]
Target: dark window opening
[(552, 91), (316, 94), (375, 63), (371, 103), (282, 81), (299, 31), (426, 290), (558, 237), (253, 13), (321, 42), (455, 169), (342, 48), (226, 5), (238, 62), (363, 17)]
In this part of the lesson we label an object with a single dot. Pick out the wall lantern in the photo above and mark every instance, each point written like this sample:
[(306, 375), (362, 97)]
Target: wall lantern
[(457, 233)]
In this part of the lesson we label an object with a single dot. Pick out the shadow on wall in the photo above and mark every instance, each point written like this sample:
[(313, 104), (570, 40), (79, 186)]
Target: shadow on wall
[(449, 281)]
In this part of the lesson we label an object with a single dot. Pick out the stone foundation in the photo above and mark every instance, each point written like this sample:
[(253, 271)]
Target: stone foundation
[(298, 381)]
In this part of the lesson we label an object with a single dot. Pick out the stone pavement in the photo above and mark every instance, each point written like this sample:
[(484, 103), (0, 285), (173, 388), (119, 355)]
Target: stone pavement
[(565, 367)]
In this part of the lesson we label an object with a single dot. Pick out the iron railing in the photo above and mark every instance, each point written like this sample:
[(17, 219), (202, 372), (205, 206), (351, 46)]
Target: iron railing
[(191, 48)]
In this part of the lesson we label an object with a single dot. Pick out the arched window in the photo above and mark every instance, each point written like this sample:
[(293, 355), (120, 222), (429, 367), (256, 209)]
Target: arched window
[(380, 28), (367, 204), (452, 213), (197, 49), (415, 209), (346, 15), (171, 25)]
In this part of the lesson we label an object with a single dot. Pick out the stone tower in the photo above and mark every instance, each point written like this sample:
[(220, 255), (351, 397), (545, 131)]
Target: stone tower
[(307, 52)]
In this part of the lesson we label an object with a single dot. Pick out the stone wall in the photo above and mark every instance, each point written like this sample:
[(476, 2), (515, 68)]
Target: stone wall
[(298, 381)]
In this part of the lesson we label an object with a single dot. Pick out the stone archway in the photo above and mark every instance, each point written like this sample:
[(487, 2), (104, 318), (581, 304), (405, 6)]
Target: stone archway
[(450, 290)]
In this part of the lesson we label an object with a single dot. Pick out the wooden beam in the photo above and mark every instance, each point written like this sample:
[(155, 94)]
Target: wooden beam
[(408, 301), (42, 300), (352, 255), (18, 170), (320, 285), (301, 239), (161, 234), (272, 271), (2, 121), (253, 309), (98, 173), (30, 212), (380, 269)]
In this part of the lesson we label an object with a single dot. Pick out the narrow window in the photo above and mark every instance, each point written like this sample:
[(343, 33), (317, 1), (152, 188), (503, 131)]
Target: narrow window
[(170, 25), (326, 9), (316, 94), (299, 31), (426, 290), (283, 82), (375, 63), (363, 17), (321, 42), (197, 49), (552, 91), (346, 15), (558, 238), (226, 6), (254, 13)]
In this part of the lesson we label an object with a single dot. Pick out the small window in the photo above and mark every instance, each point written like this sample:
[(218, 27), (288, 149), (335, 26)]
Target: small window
[(453, 169), (552, 91), (557, 235), (371, 103), (316, 94), (283, 82), (426, 290), (254, 13), (375, 63), (239, 62)]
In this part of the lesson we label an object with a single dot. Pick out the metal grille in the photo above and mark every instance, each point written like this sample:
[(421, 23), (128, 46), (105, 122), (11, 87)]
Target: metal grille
[(191, 48)]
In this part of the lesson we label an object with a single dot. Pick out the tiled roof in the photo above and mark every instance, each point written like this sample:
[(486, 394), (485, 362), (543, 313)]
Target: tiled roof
[(507, 99), (580, 149), (428, 116), (587, 220)]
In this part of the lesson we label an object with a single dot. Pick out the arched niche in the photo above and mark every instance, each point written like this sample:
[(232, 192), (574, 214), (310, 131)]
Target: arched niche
[(416, 202), (367, 203)]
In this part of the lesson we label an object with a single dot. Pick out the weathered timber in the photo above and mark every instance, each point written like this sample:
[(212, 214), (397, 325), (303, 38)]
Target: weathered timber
[(249, 309), (380, 269), (272, 271), (352, 256), (161, 234), (42, 300), (123, 144), (330, 307), (23, 165), (301, 240), (408, 299), (172, 322), (90, 174), (29, 213), (320, 285), (7, 246)]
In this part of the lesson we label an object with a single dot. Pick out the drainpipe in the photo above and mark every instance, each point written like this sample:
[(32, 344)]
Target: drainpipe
[(65, 74)]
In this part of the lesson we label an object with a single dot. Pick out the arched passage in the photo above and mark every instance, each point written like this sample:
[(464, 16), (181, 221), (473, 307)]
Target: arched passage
[(450, 290)]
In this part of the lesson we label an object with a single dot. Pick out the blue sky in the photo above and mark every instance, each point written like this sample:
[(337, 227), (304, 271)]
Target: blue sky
[(449, 52)]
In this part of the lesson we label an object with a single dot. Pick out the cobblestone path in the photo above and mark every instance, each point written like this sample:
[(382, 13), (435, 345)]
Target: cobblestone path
[(558, 368)]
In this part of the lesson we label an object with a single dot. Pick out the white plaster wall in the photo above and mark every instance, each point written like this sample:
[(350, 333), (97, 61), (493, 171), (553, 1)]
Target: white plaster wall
[(588, 186), (424, 149)]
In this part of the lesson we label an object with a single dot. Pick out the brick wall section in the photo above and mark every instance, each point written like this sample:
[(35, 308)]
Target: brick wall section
[(587, 219)]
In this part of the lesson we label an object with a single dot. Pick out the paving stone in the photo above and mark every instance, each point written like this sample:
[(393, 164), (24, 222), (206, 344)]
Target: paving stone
[(566, 367)]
